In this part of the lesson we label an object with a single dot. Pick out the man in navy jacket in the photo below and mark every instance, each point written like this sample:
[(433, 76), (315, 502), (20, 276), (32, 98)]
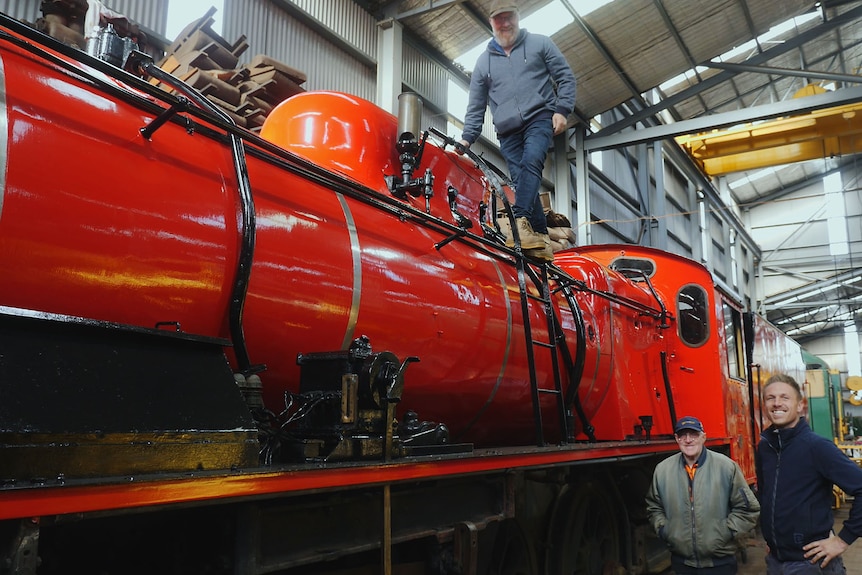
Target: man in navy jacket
[(796, 470), (528, 84)]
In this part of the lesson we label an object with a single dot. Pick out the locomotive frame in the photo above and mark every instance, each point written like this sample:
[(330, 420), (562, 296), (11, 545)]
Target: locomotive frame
[(132, 403)]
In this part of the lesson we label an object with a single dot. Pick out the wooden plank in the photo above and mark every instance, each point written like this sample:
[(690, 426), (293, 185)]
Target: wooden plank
[(261, 60)]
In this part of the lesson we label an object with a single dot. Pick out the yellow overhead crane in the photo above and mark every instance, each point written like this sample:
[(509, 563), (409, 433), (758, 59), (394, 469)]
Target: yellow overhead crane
[(820, 134), (854, 384)]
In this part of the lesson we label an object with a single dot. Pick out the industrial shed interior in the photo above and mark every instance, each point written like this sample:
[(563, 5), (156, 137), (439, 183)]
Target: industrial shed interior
[(726, 131), (263, 314)]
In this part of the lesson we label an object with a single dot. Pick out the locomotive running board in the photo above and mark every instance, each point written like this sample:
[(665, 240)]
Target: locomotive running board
[(83, 398)]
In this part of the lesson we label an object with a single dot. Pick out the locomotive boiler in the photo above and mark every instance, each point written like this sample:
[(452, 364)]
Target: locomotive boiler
[(149, 219), (311, 348)]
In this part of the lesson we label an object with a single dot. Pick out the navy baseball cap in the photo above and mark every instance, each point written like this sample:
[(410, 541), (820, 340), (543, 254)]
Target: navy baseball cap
[(688, 422)]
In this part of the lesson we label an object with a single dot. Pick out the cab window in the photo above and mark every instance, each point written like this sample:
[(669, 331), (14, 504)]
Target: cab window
[(692, 311), (733, 335), (634, 268)]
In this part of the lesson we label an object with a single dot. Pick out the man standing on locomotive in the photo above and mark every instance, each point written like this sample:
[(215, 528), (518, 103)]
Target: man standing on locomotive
[(700, 505), (796, 469), (531, 90)]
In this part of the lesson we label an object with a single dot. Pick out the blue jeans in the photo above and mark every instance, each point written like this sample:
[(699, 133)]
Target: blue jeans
[(776, 567), (525, 153)]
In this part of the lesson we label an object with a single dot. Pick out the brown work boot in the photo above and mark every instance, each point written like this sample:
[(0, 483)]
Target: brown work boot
[(506, 230), (530, 240), (545, 253)]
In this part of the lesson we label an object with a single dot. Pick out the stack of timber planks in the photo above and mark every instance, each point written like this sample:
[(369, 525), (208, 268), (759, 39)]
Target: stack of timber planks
[(248, 93)]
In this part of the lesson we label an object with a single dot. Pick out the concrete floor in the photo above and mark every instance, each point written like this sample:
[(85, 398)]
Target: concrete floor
[(756, 563)]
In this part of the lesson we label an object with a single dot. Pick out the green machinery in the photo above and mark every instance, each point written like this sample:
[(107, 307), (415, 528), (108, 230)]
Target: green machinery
[(825, 404)]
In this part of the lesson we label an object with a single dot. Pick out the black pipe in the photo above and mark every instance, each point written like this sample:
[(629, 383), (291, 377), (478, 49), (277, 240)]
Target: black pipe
[(143, 64), (576, 368), (668, 391)]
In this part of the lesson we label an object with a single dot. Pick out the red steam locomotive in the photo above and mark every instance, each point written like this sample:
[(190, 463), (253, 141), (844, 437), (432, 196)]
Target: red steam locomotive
[(310, 350)]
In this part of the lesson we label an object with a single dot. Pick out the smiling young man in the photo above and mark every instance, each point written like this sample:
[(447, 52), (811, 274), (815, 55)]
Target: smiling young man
[(796, 469), (700, 504)]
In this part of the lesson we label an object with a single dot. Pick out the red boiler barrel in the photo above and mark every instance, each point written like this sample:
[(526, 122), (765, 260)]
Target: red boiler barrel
[(358, 270), (99, 222)]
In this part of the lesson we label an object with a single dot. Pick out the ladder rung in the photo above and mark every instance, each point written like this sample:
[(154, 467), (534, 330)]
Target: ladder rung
[(538, 298), (545, 297)]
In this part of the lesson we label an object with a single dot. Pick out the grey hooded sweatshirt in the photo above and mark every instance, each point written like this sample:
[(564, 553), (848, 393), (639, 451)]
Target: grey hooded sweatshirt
[(533, 80)]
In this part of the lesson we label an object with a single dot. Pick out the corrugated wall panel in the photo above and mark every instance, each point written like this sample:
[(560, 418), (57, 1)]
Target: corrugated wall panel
[(347, 19), (719, 260), (27, 10), (152, 14), (251, 19), (275, 32), (676, 246), (425, 76)]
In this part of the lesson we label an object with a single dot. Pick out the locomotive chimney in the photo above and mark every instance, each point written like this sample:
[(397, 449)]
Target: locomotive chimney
[(409, 121), (409, 148)]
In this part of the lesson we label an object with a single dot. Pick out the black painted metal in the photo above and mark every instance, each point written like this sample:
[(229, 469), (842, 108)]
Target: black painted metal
[(71, 375)]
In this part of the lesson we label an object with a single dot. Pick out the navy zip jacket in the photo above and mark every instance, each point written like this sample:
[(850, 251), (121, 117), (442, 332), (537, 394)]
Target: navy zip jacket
[(532, 81), (796, 469)]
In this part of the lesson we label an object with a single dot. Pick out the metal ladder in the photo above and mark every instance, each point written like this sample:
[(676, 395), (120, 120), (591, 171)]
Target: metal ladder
[(538, 273), (556, 343)]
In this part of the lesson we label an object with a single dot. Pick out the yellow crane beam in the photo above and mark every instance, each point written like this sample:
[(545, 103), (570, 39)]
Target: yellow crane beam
[(820, 134)]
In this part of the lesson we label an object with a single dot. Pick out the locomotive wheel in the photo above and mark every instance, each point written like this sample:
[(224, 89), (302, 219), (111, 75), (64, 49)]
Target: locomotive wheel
[(513, 554), (585, 533)]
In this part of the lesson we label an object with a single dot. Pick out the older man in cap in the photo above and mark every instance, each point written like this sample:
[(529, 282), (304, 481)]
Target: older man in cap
[(531, 90), (700, 505)]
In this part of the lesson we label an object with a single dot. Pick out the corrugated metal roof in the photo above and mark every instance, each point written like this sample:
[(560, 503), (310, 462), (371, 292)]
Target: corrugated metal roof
[(625, 49), (618, 51)]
